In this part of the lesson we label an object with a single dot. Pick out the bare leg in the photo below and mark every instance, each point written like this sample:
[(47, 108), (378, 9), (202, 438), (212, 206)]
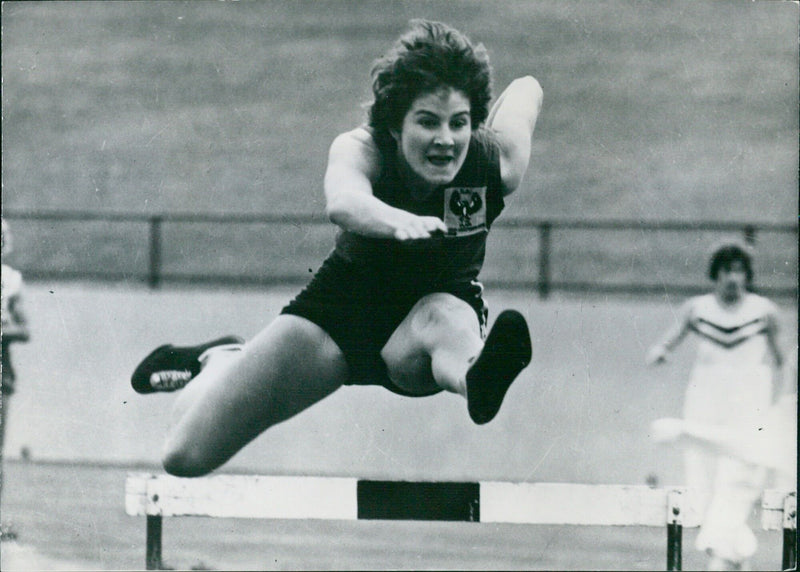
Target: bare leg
[(289, 366), (771, 442), (723, 471), (438, 346), (725, 532), (434, 346)]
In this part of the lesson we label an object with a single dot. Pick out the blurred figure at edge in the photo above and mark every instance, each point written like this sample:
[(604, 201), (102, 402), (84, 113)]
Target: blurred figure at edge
[(14, 329)]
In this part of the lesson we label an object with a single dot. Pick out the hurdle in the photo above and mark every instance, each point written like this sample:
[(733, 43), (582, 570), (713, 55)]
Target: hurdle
[(341, 498)]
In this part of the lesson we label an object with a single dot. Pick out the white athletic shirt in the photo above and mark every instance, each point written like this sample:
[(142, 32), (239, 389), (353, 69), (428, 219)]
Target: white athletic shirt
[(730, 385), (731, 337)]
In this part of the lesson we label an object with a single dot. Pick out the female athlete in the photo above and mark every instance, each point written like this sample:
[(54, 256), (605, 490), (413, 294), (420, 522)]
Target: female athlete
[(730, 390), (397, 303)]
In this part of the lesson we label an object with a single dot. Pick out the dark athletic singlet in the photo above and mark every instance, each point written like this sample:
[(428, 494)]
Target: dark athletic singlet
[(367, 286)]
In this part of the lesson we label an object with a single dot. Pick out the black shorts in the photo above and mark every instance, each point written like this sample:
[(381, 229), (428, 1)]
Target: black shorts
[(361, 311)]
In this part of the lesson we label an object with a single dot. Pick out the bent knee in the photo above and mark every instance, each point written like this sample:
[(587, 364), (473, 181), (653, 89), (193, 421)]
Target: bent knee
[(187, 461), (411, 373), (444, 313)]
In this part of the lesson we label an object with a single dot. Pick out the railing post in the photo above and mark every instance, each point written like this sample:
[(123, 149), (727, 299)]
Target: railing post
[(544, 259), (153, 550), (750, 235), (154, 275), (674, 531)]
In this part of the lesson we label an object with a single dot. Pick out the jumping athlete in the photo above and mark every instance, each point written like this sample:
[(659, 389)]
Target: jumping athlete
[(397, 303), (729, 392)]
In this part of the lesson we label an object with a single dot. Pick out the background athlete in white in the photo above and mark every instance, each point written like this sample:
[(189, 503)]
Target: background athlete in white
[(730, 389)]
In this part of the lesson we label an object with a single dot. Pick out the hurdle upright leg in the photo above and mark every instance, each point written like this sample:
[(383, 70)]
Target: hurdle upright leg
[(674, 531), (790, 533), (674, 542), (789, 549), (153, 550)]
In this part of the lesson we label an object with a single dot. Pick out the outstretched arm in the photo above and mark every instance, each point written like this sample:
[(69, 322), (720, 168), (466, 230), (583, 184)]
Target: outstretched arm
[(788, 383), (513, 119), (772, 337), (658, 353), (354, 163), (780, 387)]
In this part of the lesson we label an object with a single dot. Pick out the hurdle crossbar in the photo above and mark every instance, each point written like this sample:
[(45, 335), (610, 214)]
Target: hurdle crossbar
[(336, 498)]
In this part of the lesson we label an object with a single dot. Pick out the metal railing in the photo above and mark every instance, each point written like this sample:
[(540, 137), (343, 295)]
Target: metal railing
[(543, 229)]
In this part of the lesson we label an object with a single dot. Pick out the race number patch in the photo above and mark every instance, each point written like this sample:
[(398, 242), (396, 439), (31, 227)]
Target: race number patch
[(465, 210)]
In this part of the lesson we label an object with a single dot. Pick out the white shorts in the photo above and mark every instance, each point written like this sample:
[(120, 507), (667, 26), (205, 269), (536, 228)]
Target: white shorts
[(728, 395)]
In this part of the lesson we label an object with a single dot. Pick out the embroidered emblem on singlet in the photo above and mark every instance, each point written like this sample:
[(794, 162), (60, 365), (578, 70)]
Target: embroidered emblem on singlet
[(465, 210), (728, 337)]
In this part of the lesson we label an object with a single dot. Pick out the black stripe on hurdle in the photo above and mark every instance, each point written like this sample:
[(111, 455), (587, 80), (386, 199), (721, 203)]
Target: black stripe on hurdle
[(400, 500)]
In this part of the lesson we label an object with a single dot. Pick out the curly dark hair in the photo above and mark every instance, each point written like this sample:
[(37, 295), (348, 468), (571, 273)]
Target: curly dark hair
[(429, 56), (725, 255)]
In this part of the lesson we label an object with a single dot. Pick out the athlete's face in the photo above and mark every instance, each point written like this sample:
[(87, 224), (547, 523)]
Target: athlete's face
[(732, 280), (435, 135)]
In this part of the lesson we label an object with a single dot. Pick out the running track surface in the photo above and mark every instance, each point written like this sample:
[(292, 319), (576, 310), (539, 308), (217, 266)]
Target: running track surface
[(72, 517)]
